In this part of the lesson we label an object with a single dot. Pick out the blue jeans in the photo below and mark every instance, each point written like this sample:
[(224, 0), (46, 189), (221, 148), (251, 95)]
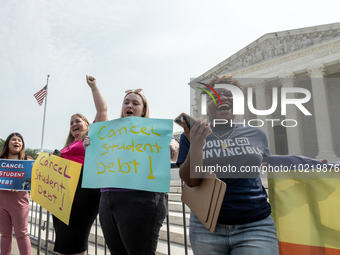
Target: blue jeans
[(131, 220), (256, 238)]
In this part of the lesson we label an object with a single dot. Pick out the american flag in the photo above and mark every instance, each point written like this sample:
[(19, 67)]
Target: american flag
[(40, 95)]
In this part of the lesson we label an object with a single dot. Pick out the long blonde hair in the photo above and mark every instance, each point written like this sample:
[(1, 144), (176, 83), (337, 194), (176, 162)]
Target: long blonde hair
[(70, 138), (145, 104)]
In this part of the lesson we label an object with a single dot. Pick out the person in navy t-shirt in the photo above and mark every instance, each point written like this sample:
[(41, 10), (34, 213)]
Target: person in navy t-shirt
[(244, 224)]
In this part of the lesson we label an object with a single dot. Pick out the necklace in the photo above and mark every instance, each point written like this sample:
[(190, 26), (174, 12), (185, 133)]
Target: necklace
[(220, 136), (224, 143)]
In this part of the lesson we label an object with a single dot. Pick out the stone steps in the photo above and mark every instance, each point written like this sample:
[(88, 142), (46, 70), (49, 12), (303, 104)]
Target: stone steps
[(177, 218), (176, 234), (177, 206), (175, 249), (176, 197), (175, 190)]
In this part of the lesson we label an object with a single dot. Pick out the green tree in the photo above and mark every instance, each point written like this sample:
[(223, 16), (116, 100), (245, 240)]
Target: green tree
[(34, 153), (2, 142)]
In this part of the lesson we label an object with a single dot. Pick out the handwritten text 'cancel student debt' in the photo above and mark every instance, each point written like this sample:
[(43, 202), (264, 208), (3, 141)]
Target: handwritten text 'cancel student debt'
[(131, 145)]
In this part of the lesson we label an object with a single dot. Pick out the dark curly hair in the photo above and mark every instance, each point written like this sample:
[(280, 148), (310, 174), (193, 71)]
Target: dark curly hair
[(224, 80)]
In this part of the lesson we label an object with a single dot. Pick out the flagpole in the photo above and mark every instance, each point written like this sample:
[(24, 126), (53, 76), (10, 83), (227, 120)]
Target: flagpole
[(43, 128)]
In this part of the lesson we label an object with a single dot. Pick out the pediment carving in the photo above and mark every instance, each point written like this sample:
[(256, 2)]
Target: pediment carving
[(272, 48)]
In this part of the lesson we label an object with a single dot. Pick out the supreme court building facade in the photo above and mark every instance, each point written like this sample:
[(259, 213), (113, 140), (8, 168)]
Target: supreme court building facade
[(307, 58)]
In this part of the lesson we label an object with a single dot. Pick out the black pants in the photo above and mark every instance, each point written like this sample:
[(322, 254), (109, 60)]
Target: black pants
[(131, 220), (74, 237)]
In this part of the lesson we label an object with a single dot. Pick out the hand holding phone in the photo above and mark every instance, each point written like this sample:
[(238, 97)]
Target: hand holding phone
[(57, 152), (189, 120)]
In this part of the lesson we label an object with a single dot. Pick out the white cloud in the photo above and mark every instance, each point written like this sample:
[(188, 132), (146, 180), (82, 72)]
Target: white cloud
[(169, 44)]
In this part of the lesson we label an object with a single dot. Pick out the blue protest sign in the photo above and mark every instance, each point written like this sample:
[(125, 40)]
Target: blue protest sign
[(130, 152), (15, 174)]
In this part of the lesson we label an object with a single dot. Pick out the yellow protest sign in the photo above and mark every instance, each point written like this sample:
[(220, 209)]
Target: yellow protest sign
[(54, 183)]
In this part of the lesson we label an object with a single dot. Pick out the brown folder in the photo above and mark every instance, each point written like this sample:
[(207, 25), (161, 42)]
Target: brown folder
[(205, 200)]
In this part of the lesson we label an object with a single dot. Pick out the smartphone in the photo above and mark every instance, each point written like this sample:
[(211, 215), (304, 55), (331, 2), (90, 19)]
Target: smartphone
[(57, 153), (189, 120)]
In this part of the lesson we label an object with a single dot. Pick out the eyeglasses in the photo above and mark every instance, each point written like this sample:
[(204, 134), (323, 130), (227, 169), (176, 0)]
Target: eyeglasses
[(226, 93), (133, 91)]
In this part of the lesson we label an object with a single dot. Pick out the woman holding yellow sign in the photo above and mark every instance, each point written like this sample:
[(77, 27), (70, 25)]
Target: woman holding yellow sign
[(73, 238), (14, 205)]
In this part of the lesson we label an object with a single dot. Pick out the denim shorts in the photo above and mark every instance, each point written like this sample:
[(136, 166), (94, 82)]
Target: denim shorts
[(254, 238)]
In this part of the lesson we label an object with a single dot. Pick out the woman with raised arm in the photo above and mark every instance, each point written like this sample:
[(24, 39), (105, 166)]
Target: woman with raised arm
[(73, 238), (131, 219), (244, 224), (14, 205)]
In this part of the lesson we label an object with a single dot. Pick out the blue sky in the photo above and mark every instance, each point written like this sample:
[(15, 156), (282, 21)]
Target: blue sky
[(154, 45)]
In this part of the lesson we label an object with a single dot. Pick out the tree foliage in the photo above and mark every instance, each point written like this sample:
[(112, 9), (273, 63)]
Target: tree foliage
[(2, 142), (34, 153)]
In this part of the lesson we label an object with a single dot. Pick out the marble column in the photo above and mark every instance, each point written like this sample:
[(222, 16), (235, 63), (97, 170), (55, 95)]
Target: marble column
[(246, 115), (321, 113), (244, 118), (293, 133), (260, 95), (196, 106)]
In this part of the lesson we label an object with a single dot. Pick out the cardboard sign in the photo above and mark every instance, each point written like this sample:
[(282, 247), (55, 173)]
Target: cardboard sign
[(131, 152), (54, 183)]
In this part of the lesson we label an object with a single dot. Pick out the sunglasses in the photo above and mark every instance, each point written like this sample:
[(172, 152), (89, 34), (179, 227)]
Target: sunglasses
[(226, 93), (133, 91)]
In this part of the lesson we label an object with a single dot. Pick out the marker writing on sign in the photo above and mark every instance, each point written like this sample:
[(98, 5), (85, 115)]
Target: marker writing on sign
[(101, 168), (54, 167)]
